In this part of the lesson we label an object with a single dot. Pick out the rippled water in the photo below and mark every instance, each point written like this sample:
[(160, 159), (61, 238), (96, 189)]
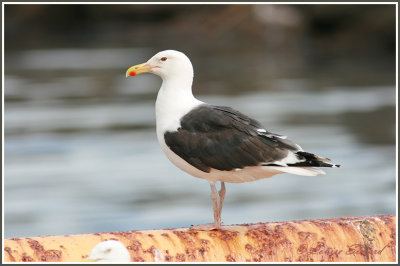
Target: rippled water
[(81, 153)]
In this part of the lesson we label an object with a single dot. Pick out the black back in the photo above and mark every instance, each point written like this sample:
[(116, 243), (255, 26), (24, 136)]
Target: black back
[(222, 138)]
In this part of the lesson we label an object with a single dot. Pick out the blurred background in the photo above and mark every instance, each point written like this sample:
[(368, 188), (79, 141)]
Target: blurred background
[(80, 148)]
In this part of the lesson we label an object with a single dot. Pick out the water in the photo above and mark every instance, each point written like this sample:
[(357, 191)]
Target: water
[(81, 154)]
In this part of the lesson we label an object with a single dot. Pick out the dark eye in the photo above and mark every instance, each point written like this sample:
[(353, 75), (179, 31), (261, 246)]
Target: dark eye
[(163, 59)]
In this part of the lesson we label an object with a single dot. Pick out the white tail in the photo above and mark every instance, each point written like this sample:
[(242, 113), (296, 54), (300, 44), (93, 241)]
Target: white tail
[(306, 171)]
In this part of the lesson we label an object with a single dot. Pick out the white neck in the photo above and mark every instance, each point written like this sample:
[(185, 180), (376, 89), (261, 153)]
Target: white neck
[(174, 99)]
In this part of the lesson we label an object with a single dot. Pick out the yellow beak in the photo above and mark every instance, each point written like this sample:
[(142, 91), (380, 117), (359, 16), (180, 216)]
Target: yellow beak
[(138, 69)]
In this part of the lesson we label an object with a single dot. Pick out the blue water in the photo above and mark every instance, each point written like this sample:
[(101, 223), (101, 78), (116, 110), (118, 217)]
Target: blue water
[(81, 153)]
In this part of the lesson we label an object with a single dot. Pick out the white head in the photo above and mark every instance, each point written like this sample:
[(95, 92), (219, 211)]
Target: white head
[(166, 64), (109, 251)]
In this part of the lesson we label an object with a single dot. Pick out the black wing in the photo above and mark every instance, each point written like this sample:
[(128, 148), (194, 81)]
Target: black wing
[(222, 138)]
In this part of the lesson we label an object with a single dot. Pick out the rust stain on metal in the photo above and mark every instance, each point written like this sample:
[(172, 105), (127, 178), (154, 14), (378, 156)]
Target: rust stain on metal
[(267, 241), (367, 231), (249, 248), (53, 255), (138, 259), (195, 248), (134, 246), (44, 255), (229, 258), (26, 258), (9, 252), (167, 257), (150, 250), (180, 257), (348, 239)]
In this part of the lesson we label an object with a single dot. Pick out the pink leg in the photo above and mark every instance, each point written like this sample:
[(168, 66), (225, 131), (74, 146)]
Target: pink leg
[(221, 193), (217, 209), (214, 197)]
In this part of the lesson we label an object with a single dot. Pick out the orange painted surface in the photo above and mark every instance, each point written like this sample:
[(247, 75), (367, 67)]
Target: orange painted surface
[(350, 239)]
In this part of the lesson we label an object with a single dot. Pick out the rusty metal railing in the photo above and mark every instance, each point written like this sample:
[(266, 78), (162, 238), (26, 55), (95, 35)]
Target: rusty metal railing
[(350, 239)]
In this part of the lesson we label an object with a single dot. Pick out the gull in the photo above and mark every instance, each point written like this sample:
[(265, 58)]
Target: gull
[(109, 251), (217, 143)]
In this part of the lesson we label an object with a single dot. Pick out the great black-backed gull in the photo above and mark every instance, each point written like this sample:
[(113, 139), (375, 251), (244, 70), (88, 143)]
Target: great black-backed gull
[(217, 143), (109, 251)]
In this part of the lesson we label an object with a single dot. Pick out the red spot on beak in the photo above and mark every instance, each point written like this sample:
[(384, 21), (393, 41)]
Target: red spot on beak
[(132, 74)]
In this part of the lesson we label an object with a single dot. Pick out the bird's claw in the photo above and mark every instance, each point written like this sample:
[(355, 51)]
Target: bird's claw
[(206, 227)]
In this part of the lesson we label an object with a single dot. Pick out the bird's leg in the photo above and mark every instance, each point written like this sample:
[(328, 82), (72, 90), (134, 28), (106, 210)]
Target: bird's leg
[(214, 197), (217, 212), (221, 194)]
